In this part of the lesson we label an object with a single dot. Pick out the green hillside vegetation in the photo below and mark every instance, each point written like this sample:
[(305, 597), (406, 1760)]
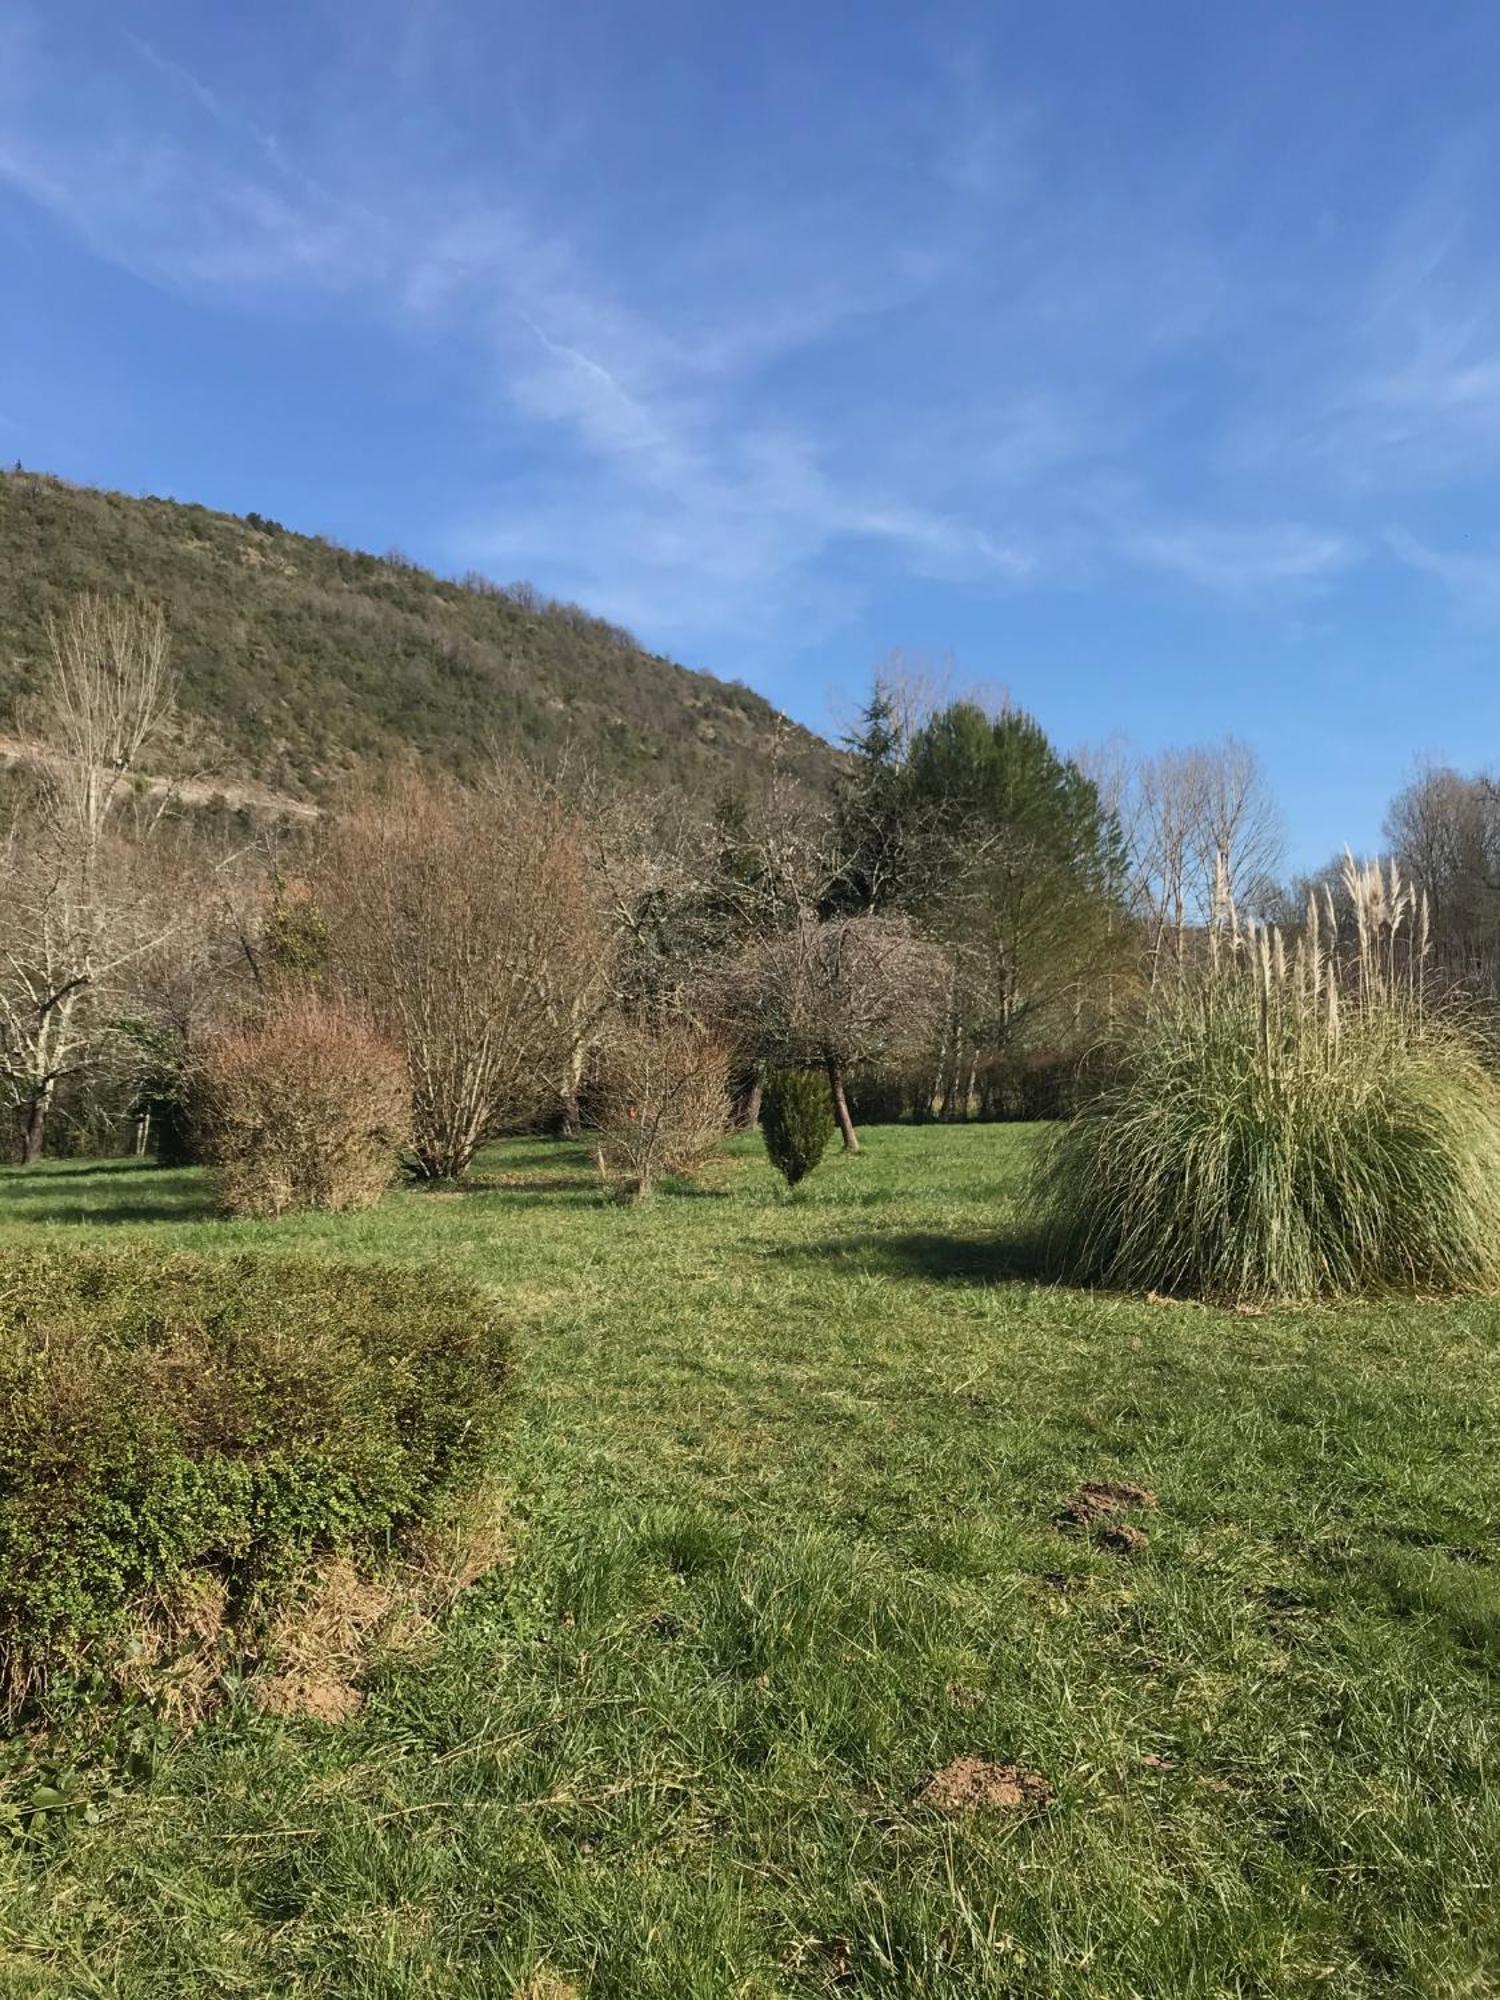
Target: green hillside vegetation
[(302, 662)]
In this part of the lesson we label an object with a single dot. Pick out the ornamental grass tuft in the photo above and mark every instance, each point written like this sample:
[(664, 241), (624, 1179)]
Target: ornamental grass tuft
[(1288, 1122)]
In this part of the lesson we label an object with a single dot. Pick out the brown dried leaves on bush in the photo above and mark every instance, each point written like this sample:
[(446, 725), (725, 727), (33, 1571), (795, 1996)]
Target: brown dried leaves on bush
[(305, 1108), (324, 1636)]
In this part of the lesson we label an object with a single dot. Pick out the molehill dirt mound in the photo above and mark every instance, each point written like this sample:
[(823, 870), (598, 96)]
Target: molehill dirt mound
[(1098, 1499), (1094, 1507), (1121, 1538), (974, 1784)]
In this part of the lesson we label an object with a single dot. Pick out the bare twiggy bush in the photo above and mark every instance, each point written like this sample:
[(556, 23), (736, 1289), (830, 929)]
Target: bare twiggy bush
[(306, 1108), (468, 925), (664, 1102)]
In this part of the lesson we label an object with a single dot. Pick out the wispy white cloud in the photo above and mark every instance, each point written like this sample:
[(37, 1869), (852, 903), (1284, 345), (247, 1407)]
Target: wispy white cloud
[(1238, 560), (730, 540), (1435, 409), (209, 100), (1010, 341), (1394, 385), (165, 213), (1469, 576)]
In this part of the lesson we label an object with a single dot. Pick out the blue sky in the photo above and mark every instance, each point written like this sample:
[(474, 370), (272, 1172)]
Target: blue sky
[(1142, 358)]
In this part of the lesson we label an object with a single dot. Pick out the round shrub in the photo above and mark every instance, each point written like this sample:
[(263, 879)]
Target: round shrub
[(1252, 1152), (797, 1121), (306, 1108), (166, 1418)]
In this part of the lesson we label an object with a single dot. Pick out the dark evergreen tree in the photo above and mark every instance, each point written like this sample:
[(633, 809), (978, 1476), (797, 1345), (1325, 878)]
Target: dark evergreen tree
[(873, 817), (797, 1122), (1024, 885)]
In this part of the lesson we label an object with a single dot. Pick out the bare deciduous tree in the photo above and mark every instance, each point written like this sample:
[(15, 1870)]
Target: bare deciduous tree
[(202, 897), (1444, 829), (838, 995), (73, 912), (1200, 825), (687, 892), (467, 926), (109, 693)]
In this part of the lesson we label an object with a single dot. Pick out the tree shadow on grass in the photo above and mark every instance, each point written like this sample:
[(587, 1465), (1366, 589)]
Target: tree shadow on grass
[(944, 1260), (504, 1184), (79, 1215), (65, 1172), (91, 1199), (506, 1199)]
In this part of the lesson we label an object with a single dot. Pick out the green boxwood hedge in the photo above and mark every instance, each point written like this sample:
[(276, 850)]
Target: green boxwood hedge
[(162, 1417)]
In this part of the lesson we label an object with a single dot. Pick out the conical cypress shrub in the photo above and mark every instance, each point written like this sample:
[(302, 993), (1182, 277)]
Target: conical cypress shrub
[(797, 1120)]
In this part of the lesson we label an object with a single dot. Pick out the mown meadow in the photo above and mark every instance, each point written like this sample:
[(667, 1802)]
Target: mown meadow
[(779, 1539)]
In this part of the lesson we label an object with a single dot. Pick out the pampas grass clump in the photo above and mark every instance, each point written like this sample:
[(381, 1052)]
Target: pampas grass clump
[(1289, 1125)]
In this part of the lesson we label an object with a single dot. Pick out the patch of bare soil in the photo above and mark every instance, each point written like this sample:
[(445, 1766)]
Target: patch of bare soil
[(1098, 1499), (1121, 1538), (974, 1784), (317, 1647), (1064, 1585), (1093, 1508)]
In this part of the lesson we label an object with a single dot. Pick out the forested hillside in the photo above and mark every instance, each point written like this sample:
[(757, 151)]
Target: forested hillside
[(301, 661)]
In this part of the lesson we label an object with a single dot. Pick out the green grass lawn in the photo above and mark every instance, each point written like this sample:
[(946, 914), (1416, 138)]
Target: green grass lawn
[(781, 1491)]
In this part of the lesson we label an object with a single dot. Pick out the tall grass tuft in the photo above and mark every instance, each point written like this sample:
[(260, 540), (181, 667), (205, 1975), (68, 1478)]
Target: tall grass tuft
[(1289, 1122)]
